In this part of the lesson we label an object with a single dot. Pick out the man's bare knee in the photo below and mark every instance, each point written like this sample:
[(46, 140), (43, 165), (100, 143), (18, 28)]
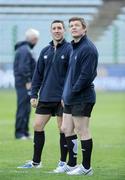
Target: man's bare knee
[(40, 122), (83, 133), (38, 125), (67, 131), (63, 129)]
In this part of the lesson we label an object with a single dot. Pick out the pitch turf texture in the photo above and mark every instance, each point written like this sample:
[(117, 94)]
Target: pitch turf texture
[(108, 130)]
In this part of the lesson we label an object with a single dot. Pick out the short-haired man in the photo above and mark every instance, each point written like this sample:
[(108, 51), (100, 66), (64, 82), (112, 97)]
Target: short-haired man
[(24, 66), (48, 80), (79, 95)]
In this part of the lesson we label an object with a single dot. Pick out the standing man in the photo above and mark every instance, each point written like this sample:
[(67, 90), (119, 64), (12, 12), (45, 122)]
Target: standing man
[(79, 95), (24, 65), (48, 81)]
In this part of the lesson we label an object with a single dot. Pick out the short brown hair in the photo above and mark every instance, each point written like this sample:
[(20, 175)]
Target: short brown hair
[(58, 21), (79, 19)]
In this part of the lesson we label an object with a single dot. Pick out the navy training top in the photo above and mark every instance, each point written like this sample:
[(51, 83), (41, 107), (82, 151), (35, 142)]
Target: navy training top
[(50, 72), (79, 87), (24, 63)]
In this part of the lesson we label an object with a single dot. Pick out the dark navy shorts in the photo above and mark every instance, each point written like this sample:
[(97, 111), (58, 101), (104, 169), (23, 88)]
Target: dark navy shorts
[(83, 109), (53, 108)]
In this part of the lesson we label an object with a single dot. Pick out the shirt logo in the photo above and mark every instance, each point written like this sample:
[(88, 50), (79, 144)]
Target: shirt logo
[(45, 57), (62, 57), (75, 57)]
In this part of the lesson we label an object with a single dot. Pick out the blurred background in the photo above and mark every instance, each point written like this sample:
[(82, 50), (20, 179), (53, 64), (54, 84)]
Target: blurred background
[(106, 27)]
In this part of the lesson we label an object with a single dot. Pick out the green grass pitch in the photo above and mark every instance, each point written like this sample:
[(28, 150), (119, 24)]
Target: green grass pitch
[(108, 130)]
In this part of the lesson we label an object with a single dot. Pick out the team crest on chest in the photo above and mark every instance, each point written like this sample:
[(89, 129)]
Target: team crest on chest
[(45, 56), (62, 57)]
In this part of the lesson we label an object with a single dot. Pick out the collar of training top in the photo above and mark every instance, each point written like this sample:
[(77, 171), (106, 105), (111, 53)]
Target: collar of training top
[(20, 43), (75, 44), (59, 44)]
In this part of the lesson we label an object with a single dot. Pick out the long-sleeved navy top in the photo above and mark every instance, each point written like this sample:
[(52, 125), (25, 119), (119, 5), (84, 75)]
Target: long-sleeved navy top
[(24, 63), (79, 87), (50, 72)]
